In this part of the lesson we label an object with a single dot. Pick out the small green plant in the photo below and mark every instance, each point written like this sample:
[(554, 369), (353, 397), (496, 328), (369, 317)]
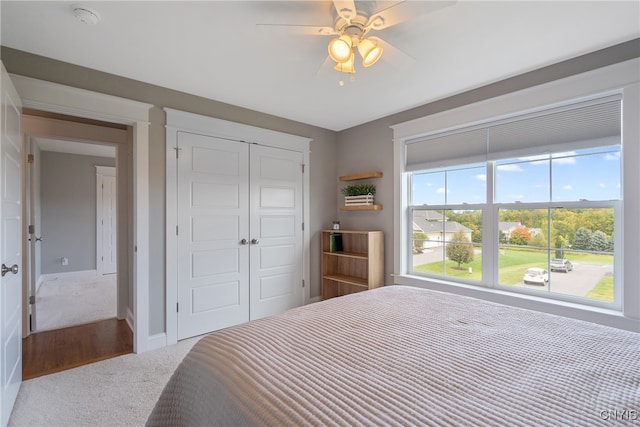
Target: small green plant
[(359, 189)]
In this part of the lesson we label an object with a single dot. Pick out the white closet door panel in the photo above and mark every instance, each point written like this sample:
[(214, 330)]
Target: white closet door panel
[(276, 226), (220, 227), (109, 233), (213, 208)]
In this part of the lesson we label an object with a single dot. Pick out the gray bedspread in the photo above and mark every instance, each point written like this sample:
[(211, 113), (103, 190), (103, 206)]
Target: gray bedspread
[(406, 356)]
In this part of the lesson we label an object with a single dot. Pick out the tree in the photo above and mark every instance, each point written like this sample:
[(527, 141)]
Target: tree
[(503, 238), (520, 236), (418, 241), (582, 239), (559, 247), (598, 241), (459, 249), (539, 240)]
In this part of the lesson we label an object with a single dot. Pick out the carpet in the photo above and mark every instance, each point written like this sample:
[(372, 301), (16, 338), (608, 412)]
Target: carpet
[(69, 301), (116, 392)]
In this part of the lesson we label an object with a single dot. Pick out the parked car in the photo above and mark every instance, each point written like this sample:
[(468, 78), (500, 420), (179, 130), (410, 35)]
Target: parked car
[(536, 276), (560, 264)]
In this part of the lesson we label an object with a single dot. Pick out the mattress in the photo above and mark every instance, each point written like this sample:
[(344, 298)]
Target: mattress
[(407, 356)]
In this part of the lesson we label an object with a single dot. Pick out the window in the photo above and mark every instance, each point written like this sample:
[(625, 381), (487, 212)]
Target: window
[(539, 215)]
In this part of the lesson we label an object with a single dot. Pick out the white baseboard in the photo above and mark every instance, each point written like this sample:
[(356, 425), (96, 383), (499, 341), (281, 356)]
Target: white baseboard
[(157, 341), (67, 274), (314, 299)]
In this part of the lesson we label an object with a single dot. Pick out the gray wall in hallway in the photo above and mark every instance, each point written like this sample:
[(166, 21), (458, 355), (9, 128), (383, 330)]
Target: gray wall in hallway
[(68, 210)]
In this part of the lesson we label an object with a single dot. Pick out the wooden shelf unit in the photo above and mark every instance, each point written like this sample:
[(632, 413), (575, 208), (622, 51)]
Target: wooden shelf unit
[(356, 177), (363, 175), (357, 267)]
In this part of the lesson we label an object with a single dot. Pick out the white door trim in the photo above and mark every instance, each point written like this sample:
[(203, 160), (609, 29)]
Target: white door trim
[(205, 125), (57, 98), (101, 172)]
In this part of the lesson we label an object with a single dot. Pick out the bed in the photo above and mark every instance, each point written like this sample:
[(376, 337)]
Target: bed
[(406, 356)]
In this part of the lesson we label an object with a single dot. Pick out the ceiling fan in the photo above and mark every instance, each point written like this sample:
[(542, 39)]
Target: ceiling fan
[(353, 24)]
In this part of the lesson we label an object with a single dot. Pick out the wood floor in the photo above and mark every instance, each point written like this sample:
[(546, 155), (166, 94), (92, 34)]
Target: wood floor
[(47, 352)]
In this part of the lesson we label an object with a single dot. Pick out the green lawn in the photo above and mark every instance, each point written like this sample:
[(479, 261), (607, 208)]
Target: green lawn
[(603, 291), (512, 264)]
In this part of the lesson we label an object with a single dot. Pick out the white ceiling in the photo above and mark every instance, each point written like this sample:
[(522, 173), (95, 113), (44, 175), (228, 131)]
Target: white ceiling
[(215, 49)]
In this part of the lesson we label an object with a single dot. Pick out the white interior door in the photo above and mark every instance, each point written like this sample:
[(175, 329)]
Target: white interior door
[(276, 231), (212, 234), (10, 248), (106, 221)]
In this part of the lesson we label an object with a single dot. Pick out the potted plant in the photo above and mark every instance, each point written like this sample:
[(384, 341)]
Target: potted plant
[(359, 194)]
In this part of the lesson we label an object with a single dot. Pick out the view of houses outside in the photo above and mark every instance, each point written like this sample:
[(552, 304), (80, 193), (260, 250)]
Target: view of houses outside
[(449, 242)]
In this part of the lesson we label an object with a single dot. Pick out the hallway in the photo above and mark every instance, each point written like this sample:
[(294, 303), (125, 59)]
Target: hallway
[(57, 350)]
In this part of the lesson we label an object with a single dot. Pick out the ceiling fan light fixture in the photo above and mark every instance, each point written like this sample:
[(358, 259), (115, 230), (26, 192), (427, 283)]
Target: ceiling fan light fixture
[(347, 66), (340, 48), (369, 51)]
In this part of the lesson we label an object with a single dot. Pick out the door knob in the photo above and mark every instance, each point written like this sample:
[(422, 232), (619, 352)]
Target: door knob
[(39, 239), (13, 269), (244, 241), (255, 241)]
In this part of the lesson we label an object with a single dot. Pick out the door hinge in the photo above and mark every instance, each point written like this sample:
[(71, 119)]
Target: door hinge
[(32, 229), (176, 230), (303, 168), (177, 151), (303, 283), (303, 226), (32, 299), (177, 307), (30, 158)]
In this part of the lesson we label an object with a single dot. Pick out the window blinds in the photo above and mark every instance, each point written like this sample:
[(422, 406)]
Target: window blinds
[(587, 124)]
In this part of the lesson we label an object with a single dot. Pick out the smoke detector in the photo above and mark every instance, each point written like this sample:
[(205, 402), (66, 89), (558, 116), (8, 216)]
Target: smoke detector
[(85, 14)]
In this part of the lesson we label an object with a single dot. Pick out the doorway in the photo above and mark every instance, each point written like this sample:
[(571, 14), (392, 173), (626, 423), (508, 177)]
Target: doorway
[(72, 210), (72, 192)]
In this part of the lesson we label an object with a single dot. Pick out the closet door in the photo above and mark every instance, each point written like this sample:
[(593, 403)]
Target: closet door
[(213, 208), (276, 230)]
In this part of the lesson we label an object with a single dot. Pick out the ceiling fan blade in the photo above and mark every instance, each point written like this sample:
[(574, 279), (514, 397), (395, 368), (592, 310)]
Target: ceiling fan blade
[(309, 30), (403, 11), (393, 55), (346, 9)]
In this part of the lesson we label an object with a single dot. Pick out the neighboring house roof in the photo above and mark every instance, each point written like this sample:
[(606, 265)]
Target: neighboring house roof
[(420, 224), (507, 226), (428, 215)]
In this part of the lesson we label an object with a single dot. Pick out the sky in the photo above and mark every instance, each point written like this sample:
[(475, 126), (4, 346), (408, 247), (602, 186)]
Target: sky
[(591, 174)]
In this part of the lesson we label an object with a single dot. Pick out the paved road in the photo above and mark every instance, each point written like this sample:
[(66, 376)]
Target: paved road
[(577, 282)]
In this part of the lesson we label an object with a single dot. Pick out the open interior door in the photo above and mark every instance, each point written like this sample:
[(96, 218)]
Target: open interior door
[(10, 247)]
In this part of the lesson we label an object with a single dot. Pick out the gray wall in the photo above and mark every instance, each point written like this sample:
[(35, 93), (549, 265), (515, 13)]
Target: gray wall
[(322, 158), (362, 148), (68, 210), (370, 146)]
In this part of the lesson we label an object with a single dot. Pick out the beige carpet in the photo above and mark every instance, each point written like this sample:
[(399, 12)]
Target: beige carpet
[(116, 392), (69, 301)]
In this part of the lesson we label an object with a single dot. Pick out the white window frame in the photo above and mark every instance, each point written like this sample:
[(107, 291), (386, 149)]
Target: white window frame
[(620, 79)]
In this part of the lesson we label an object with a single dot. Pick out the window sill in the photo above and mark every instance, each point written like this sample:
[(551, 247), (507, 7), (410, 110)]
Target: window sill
[(598, 315)]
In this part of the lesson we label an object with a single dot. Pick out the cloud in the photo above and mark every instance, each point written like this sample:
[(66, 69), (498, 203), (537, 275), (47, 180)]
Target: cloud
[(564, 161), (567, 187), (602, 185), (441, 190), (481, 177), (509, 168), (612, 156)]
